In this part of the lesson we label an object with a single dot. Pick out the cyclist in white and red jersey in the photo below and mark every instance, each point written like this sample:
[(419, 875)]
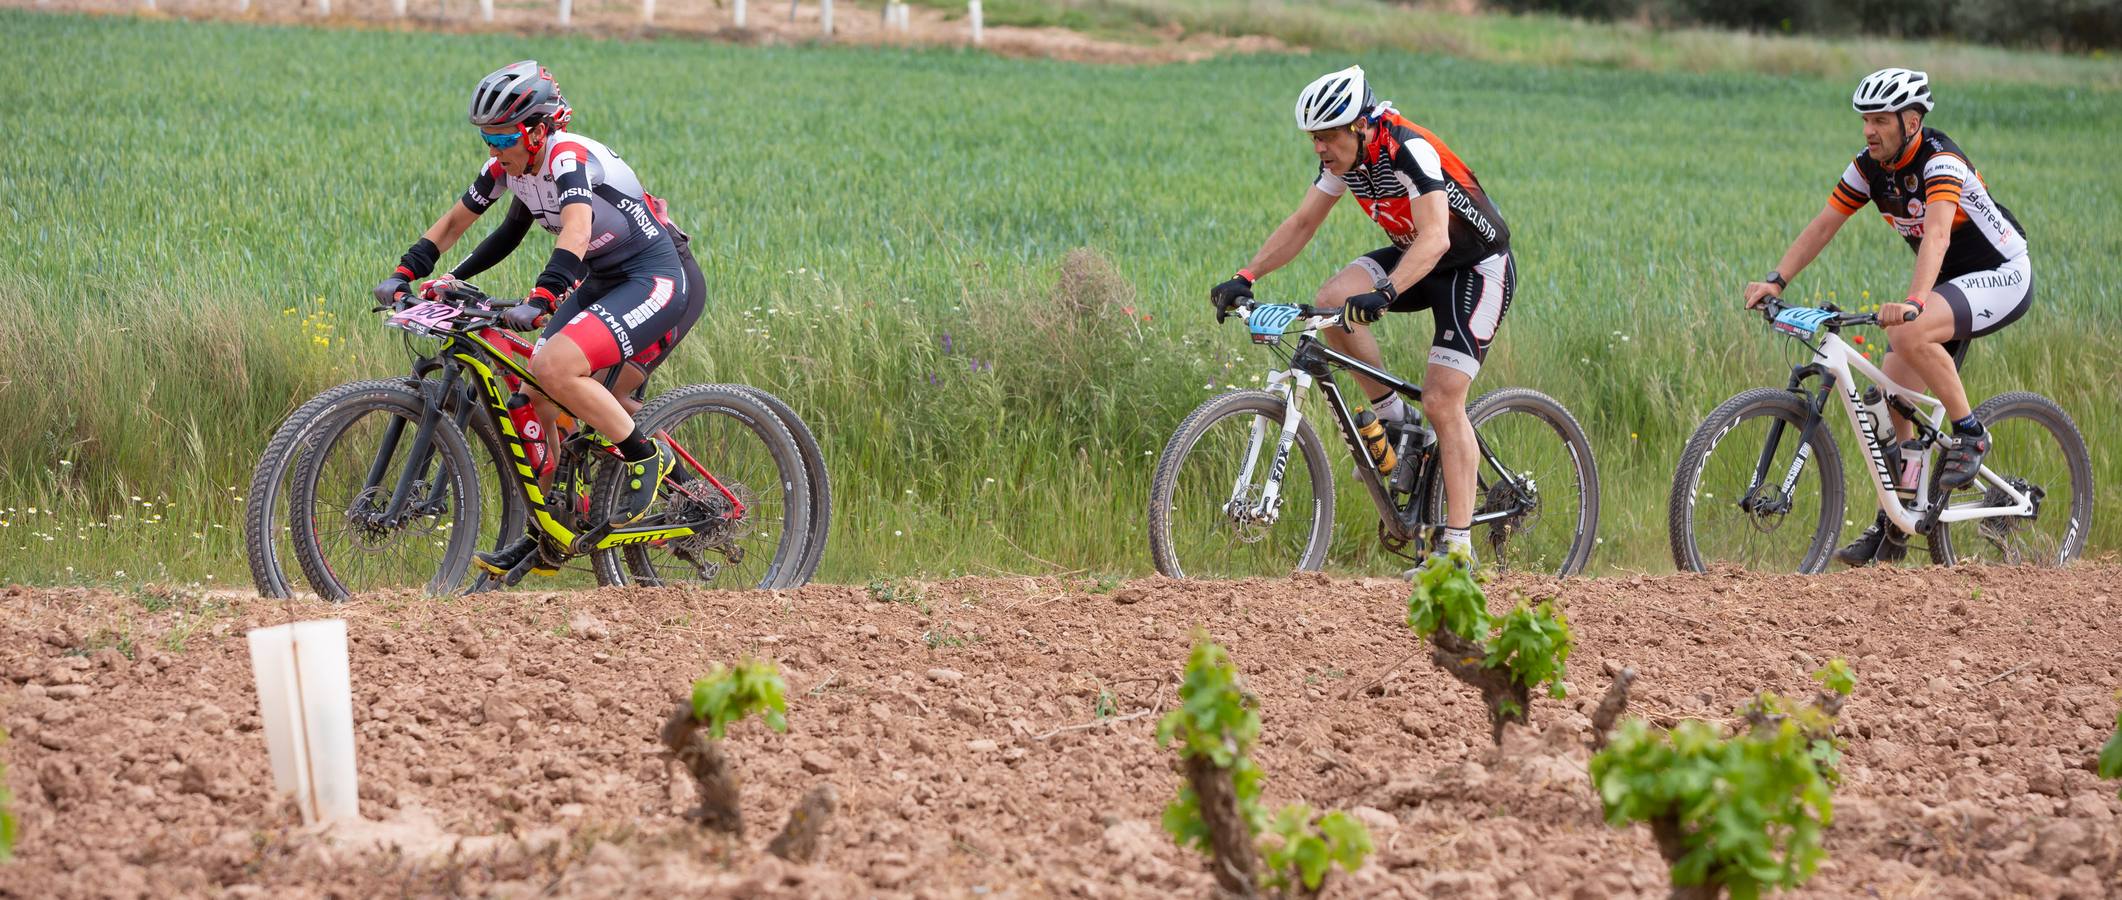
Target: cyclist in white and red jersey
[(1450, 254), (620, 289), (1972, 278)]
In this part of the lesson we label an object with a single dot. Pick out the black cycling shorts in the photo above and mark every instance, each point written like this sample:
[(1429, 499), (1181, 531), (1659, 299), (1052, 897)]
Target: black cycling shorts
[(634, 315), (1467, 304)]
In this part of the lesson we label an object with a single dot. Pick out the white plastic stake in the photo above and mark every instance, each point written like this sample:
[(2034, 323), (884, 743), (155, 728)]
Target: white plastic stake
[(486, 10), (242, 6), (306, 699), (736, 16), (324, 7), (567, 9), (972, 13), (825, 17), (398, 8), (648, 11)]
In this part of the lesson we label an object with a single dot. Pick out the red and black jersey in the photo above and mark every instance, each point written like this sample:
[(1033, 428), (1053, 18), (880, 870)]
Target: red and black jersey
[(1403, 161), (1984, 233)]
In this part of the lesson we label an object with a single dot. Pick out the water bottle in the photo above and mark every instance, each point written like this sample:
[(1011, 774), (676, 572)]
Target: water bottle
[(1911, 469), (525, 417), (1373, 433), (1875, 403)]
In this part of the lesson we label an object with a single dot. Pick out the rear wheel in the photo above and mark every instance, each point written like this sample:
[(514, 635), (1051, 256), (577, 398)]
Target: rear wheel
[(2037, 449), (821, 490), (1206, 518), (742, 445), (1547, 487), (1789, 520)]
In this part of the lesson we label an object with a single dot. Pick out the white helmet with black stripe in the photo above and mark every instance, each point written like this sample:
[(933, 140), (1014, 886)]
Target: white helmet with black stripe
[(1893, 90), (1334, 100)]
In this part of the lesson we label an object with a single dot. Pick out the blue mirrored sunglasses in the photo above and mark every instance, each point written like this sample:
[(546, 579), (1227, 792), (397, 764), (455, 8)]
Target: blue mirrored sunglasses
[(501, 141)]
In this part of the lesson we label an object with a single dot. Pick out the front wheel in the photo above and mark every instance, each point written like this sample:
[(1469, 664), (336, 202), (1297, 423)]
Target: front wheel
[(2037, 449), (1536, 486), (1759, 486), (1209, 514), (379, 501), (750, 508)]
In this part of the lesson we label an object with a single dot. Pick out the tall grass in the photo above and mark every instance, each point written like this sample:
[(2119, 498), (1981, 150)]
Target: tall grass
[(980, 280)]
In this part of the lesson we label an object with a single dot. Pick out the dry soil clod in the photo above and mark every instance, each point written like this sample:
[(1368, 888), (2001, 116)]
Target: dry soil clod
[(803, 836)]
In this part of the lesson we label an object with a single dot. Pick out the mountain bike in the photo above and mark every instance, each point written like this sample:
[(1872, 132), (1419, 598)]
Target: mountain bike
[(1775, 499), (1243, 488), (384, 490)]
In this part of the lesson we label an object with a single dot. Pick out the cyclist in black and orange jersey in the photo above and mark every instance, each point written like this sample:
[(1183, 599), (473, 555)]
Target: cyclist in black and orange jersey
[(1972, 278), (1450, 254), (619, 291)]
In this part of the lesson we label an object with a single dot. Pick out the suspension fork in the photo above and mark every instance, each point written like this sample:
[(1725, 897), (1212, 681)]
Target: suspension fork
[(422, 452), (1816, 406), (1285, 384)]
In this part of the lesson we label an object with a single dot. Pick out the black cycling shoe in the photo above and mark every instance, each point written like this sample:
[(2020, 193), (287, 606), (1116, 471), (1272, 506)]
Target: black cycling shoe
[(643, 477), (1882, 542), (1964, 461), (498, 563)]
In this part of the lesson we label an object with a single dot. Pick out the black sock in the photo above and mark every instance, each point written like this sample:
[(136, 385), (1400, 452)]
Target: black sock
[(635, 448), (1968, 426)]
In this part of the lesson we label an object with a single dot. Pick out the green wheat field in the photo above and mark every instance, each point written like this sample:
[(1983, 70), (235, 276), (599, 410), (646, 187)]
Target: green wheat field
[(981, 280)]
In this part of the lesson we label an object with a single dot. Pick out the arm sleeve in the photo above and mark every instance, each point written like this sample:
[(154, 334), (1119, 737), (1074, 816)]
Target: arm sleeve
[(497, 244), (487, 188), (1944, 176), (1851, 193)]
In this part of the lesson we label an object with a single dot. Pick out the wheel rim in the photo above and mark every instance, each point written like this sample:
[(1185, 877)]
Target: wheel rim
[(1764, 528), (1208, 539), (362, 550), (2030, 455), (739, 551), (1541, 486)]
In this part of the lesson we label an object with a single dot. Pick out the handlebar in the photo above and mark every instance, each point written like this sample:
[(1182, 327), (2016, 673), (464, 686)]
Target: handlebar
[(1326, 318), (1772, 305)]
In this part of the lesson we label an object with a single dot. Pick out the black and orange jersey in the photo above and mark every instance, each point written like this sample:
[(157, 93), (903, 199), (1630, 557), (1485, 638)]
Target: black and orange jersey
[(1984, 233), (1403, 161)]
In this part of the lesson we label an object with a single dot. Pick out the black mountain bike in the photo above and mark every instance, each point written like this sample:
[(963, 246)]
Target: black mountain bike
[(1244, 487), (384, 490)]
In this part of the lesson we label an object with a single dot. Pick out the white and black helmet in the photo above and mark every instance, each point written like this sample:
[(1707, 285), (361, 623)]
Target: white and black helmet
[(1334, 100), (1893, 90), (519, 94)]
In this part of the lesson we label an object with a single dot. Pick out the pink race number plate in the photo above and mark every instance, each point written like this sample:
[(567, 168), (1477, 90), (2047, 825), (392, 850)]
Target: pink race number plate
[(425, 315)]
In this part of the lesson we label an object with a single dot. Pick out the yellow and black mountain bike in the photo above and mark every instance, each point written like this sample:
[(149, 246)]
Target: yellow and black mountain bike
[(384, 490)]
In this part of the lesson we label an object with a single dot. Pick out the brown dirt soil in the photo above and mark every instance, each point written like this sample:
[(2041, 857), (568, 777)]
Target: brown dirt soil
[(768, 22), (508, 744)]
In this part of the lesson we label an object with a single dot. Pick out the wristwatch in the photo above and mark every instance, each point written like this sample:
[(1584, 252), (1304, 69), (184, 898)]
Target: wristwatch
[(1385, 286), (1777, 279)]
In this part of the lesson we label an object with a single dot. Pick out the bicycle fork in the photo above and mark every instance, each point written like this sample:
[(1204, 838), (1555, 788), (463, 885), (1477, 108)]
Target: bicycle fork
[(1265, 510), (402, 505)]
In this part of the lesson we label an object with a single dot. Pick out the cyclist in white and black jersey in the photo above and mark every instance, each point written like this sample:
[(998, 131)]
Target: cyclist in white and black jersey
[(1972, 274), (618, 291)]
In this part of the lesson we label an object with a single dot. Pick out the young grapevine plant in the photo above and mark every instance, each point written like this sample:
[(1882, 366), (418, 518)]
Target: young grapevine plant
[(727, 695), (1218, 810), (1505, 659), (1742, 813)]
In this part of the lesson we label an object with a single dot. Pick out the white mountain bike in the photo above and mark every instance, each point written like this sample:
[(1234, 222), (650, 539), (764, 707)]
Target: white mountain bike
[(1774, 498), (1244, 488)]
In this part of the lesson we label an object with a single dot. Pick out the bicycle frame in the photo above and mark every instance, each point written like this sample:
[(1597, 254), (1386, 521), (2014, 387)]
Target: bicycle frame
[(1313, 364), (474, 349), (1834, 361)]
